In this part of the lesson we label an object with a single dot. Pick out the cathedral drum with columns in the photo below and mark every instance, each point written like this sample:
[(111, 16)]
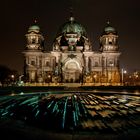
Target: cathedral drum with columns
[(72, 59)]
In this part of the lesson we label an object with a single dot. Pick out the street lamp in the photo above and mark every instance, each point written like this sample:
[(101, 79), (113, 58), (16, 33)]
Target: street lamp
[(20, 77), (12, 76), (49, 79), (20, 82), (12, 79), (95, 77), (123, 72)]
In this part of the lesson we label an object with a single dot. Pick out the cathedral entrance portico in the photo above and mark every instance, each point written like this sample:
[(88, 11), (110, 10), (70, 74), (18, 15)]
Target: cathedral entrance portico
[(71, 72), (71, 76)]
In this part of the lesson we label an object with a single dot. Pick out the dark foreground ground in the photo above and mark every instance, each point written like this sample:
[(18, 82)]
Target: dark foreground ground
[(58, 116), (17, 130)]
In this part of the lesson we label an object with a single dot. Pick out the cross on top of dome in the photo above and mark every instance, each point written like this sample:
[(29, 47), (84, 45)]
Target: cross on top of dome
[(34, 27), (109, 29)]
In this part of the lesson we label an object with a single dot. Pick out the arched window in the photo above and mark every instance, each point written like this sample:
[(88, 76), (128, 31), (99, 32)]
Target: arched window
[(40, 63), (33, 62), (111, 64), (33, 40), (47, 63), (96, 64)]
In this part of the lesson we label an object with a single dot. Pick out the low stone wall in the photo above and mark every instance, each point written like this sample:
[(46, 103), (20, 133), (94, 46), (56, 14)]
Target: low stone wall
[(17, 89)]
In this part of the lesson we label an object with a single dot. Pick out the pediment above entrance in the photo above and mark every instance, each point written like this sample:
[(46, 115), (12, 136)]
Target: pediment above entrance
[(72, 64)]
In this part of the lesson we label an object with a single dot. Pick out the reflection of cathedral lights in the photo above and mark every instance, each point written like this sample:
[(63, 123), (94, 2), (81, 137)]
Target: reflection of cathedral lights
[(72, 59)]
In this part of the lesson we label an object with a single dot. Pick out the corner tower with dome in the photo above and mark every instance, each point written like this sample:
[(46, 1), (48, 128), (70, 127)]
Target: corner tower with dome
[(72, 59)]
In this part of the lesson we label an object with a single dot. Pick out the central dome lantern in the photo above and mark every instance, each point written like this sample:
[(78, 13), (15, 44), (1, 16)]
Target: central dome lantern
[(72, 26), (71, 36)]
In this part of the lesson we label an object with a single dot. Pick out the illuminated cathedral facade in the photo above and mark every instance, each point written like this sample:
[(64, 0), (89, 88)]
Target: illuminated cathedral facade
[(72, 58)]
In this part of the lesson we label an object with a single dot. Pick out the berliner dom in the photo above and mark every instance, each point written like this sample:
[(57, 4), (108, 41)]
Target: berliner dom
[(72, 58)]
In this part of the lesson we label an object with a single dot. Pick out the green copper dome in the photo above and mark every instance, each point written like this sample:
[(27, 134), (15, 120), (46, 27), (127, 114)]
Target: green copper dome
[(109, 29), (72, 27), (34, 28)]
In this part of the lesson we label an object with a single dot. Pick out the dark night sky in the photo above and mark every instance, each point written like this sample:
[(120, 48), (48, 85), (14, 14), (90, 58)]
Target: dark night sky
[(17, 15)]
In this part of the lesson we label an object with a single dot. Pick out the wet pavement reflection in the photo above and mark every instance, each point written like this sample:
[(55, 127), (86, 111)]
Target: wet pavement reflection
[(74, 111)]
